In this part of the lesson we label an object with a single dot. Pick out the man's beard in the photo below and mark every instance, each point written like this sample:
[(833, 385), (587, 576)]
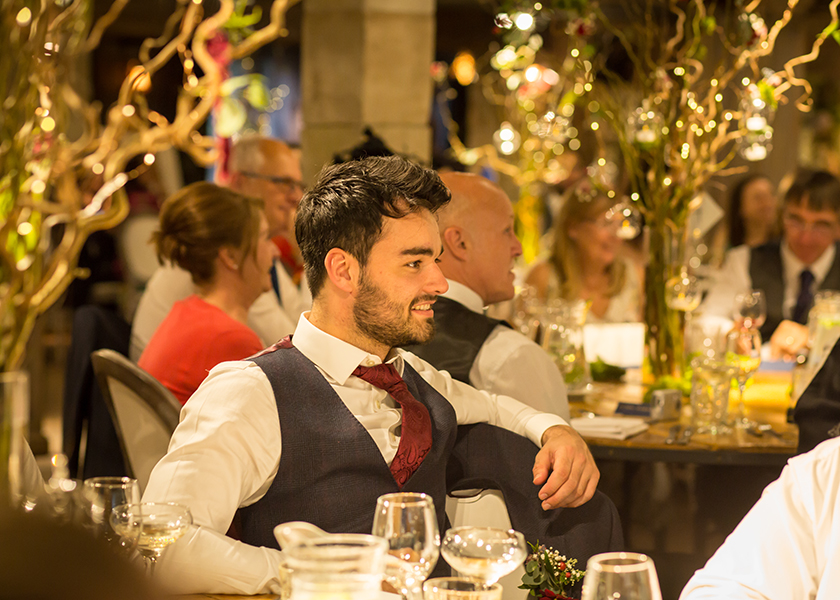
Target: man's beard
[(380, 319)]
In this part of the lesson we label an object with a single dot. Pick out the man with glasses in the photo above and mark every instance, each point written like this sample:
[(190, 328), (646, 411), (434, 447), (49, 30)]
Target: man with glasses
[(263, 168), (789, 271)]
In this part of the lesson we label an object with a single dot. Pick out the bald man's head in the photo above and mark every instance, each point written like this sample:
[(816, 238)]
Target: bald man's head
[(479, 241), (270, 170)]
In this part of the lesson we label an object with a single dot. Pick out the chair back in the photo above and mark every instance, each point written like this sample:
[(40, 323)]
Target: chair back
[(145, 413)]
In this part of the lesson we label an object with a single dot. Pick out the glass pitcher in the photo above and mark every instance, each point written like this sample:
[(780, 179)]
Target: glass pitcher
[(563, 340), (348, 566)]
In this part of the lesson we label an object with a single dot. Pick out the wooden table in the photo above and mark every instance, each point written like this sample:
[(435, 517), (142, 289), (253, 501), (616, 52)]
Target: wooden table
[(766, 402)]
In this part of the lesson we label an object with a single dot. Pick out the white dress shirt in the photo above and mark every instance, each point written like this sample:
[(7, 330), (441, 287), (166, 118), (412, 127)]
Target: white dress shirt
[(511, 364), (734, 278), (225, 453), (267, 317), (788, 545)]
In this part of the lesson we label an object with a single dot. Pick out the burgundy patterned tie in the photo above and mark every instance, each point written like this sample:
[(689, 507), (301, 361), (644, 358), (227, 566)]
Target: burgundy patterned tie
[(416, 431)]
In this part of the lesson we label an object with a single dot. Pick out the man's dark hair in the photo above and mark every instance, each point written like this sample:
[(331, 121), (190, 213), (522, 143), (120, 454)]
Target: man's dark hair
[(819, 189), (345, 207)]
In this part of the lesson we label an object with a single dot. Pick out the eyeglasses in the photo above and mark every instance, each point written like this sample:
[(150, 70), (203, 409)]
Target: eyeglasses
[(284, 184), (797, 224)]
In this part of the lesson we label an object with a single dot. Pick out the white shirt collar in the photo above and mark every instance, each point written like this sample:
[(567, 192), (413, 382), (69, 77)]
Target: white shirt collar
[(819, 268), (464, 295), (337, 358)]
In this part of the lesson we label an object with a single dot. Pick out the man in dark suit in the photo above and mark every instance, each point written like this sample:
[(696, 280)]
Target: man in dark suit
[(791, 270)]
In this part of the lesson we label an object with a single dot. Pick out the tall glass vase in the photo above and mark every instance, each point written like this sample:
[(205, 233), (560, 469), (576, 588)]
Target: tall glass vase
[(663, 325), (14, 408)]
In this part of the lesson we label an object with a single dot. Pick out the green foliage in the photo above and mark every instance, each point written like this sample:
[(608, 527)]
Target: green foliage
[(605, 372), (548, 570)]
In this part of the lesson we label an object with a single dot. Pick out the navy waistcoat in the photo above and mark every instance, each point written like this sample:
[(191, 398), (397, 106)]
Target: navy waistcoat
[(331, 471)]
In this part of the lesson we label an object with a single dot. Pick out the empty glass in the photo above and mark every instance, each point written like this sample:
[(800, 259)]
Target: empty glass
[(621, 575), (710, 385), (743, 351), (563, 340), (460, 588), (102, 495), (408, 522), (750, 309)]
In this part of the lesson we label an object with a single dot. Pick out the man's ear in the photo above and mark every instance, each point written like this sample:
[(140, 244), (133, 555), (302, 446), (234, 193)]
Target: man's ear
[(342, 270), (456, 242)]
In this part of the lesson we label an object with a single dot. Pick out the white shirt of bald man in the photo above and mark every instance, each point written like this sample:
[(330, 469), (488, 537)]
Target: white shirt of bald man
[(788, 545), (270, 319), (510, 364)]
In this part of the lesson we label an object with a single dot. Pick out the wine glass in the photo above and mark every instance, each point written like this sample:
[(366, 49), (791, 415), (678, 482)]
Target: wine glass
[(625, 575), (155, 524), (102, 495), (485, 553), (750, 309), (683, 292), (409, 524), (743, 350)]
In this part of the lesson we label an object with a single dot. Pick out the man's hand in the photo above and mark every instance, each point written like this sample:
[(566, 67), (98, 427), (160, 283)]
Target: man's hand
[(788, 340), (566, 467)]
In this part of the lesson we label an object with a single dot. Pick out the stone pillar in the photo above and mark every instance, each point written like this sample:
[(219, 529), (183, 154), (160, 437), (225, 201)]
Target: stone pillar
[(366, 63)]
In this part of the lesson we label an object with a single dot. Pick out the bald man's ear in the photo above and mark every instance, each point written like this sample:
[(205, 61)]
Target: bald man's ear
[(342, 270), (455, 242)]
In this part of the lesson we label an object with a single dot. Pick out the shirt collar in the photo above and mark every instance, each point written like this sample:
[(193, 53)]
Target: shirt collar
[(337, 358), (464, 295), (819, 268)]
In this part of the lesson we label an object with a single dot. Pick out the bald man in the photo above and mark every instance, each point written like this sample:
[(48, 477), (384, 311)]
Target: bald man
[(480, 247), (263, 168)]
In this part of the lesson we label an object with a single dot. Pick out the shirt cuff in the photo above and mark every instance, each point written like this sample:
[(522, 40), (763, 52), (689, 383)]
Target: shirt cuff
[(537, 425)]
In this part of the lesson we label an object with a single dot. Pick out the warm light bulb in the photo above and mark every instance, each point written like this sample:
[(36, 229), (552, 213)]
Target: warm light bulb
[(523, 21)]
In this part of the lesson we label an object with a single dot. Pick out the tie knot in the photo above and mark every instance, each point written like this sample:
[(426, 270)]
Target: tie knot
[(806, 278), (383, 376)]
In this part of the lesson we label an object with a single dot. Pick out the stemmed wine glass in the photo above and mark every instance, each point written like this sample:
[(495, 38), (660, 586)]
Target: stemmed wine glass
[(625, 575), (102, 495), (743, 350), (486, 553), (750, 309), (156, 525), (409, 524)]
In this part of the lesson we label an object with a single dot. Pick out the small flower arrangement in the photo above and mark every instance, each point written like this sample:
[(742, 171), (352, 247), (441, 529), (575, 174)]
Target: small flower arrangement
[(548, 574)]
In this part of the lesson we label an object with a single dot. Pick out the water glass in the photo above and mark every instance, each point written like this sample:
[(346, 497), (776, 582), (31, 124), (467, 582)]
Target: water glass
[(750, 309), (460, 588), (346, 566), (624, 575), (102, 495), (563, 340), (408, 522), (710, 385)]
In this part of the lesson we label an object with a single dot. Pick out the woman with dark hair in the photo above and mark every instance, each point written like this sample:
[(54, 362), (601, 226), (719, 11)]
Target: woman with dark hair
[(221, 238), (586, 262), (753, 212)]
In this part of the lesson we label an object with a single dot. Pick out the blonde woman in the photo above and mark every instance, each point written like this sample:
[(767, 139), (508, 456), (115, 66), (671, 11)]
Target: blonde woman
[(588, 261)]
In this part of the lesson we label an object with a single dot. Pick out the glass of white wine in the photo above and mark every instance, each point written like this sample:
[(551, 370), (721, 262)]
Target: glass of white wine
[(408, 522), (625, 575), (743, 350), (155, 525), (486, 553)]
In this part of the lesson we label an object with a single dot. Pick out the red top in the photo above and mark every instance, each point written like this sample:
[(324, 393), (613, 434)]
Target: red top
[(193, 338)]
